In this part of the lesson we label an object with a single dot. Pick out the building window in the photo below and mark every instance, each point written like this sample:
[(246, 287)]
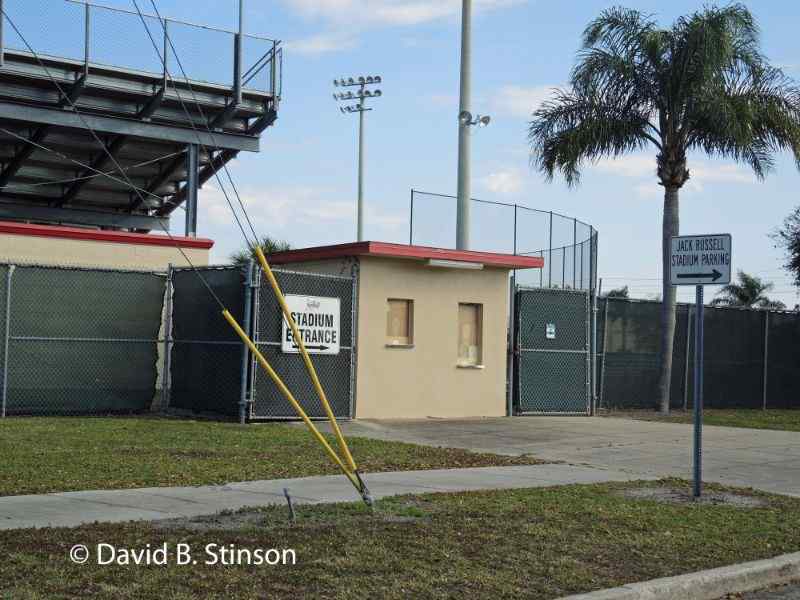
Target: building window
[(399, 322), (470, 335)]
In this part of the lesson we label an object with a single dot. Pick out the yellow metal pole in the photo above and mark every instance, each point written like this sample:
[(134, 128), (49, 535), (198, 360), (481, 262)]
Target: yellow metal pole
[(306, 358), (290, 397)]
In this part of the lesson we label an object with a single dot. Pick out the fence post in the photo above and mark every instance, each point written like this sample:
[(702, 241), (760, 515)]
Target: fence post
[(766, 360), (411, 220), (511, 344), (166, 377), (594, 293), (2, 40), (686, 359), (246, 320), (87, 39), (574, 252), (550, 254), (166, 54), (6, 336), (605, 348)]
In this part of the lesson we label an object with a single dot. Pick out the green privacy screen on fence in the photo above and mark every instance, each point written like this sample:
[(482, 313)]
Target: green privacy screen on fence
[(81, 341), (206, 357), (738, 348)]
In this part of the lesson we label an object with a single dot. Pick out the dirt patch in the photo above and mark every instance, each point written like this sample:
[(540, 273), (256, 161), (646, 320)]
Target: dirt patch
[(220, 522), (669, 495)]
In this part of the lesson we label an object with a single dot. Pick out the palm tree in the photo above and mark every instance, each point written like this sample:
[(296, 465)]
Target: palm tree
[(750, 292), (701, 85), (240, 258)]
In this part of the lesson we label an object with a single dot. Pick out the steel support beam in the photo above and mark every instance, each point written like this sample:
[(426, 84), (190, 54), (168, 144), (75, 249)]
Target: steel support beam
[(191, 187), (120, 126), (218, 162), (24, 154), (168, 172), (28, 212), (98, 164)]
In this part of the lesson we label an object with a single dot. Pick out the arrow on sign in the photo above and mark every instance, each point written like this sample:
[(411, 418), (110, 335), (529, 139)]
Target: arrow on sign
[(713, 276), (321, 348)]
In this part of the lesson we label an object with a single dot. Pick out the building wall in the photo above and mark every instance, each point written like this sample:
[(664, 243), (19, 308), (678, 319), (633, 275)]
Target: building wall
[(92, 253), (424, 381)]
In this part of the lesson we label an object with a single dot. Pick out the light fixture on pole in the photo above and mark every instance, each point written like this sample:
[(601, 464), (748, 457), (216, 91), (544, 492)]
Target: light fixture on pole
[(357, 101)]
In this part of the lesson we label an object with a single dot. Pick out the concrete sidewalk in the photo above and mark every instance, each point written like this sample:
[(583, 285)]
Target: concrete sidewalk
[(69, 509)]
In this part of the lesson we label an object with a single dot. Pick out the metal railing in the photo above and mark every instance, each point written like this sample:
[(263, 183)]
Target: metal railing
[(567, 245), (98, 35)]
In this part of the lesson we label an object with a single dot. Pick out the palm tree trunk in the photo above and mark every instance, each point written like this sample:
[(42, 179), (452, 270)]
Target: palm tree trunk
[(670, 227)]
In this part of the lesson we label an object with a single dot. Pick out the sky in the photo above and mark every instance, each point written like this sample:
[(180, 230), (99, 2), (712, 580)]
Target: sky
[(301, 187)]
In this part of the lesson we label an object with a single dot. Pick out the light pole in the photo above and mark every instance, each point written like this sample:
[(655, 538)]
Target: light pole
[(465, 121), (359, 107), (462, 210)]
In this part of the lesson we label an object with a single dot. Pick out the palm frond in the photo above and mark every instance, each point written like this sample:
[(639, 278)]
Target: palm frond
[(569, 130)]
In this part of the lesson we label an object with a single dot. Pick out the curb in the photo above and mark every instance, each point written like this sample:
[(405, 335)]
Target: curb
[(707, 585)]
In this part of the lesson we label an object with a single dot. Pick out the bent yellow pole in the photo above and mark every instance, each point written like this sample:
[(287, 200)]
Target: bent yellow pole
[(290, 397), (306, 358)]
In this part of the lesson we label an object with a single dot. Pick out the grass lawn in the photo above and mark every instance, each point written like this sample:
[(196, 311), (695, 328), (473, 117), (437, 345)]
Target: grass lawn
[(534, 543), (786, 420), (62, 454)]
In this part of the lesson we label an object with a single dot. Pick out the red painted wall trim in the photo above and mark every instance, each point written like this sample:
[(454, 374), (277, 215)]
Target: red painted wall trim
[(491, 259), (96, 235)]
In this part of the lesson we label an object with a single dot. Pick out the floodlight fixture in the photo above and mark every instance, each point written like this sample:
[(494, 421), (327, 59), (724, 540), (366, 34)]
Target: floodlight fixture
[(370, 79), (465, 119), (336, 82), (361, 80)]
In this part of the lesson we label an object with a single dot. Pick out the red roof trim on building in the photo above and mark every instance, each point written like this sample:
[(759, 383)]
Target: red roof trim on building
[(489, 259), (96, 235)]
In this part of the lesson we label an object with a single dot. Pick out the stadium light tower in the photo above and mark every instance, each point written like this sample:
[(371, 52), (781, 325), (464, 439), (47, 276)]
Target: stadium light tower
[(357, 104)]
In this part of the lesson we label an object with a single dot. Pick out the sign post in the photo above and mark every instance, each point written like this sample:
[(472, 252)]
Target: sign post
[(700, 260)]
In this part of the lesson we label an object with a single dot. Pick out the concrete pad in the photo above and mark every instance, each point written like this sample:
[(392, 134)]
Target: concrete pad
[(759, 458)]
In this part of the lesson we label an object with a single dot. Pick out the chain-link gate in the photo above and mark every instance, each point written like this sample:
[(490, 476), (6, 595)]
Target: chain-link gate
[(553, 351), (336, 371)]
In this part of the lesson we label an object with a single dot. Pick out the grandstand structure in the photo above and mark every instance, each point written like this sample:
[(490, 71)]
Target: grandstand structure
[(173, 103)]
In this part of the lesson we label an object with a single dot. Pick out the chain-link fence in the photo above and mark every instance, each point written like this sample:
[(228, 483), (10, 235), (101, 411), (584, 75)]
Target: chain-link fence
[(336, 371), (78, 341), (568, 246), (211, 371), (751, 356), (104, 36)]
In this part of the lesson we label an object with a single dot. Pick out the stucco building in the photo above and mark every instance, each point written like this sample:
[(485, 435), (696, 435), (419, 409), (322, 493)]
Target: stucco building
[(432, 326)]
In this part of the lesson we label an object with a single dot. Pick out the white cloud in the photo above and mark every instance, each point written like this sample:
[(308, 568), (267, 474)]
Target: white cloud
[(520, 101), (278, 211), (346, 18), (388, 12), (636, 165), (504, 181), (322, 43), (703, 171)]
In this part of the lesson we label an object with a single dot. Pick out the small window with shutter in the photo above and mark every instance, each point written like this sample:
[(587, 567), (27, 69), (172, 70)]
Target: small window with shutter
[(470, 335), (399, 322)]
